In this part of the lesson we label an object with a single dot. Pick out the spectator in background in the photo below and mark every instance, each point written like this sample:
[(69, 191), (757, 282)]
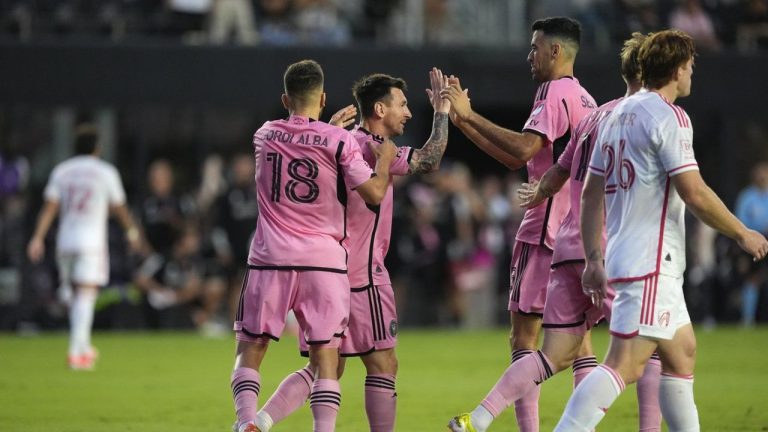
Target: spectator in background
[(237, 212), (441, 24), (752, 210), (319, 23), (187, 18), (638, 16), (690, 17), (235, 17), (161, 210), (752, 28), (173, 285), (276, 23)]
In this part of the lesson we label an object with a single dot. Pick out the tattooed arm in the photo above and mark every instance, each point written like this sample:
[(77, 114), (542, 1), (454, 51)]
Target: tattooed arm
[(427, 158)]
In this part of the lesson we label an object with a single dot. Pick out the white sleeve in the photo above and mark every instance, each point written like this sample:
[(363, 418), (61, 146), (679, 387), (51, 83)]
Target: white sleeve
[(52, 191), (675, 143), (115, 188)]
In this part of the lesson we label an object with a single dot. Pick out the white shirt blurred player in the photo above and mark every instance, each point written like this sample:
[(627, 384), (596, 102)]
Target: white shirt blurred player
[(82, 190)]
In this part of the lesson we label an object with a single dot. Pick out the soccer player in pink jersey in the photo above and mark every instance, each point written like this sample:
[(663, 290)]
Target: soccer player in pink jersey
[(82, 191), (297, 260), (559, 105), (569, 314), (372, 332), (643, 174)]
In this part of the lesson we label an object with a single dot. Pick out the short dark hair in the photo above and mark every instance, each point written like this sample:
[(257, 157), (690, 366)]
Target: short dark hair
[(86, 139), (630, 65), (302, 78), (560, 27), (373, 88), (661, 54)]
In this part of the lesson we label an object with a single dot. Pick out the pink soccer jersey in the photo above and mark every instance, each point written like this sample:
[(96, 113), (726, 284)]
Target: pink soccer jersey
[(302, 166), (575, 158), (558, 107), (643, 143), (370, 227)]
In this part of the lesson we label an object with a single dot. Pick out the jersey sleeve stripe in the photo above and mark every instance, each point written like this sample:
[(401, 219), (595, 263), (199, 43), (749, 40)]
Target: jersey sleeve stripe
[(682, 167)]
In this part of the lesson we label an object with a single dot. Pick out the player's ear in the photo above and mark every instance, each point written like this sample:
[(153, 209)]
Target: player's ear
[(379, 108), (322, 100), (556, 49), (286, 101)]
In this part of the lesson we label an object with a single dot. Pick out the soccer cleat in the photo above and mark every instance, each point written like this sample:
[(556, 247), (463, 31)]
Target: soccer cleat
[(461, 423), (85, 361), (245, 427)]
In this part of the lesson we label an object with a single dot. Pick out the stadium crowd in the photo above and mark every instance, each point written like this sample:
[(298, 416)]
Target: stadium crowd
[(713, 23)]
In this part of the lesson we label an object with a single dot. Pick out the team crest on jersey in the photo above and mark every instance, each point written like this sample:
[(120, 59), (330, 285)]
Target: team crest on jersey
[(664, 319), (393, 328), (687, 148)]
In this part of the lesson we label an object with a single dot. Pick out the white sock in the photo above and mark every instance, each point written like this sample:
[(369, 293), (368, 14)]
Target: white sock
[(481, 418), (80, 320), (263, 421), (677, 405), (590, 400)]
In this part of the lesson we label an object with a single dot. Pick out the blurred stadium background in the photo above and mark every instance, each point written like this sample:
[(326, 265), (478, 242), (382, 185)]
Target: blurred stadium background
[(177, 87)]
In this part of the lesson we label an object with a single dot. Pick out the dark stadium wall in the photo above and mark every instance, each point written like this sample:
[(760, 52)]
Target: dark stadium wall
[(726, 86)]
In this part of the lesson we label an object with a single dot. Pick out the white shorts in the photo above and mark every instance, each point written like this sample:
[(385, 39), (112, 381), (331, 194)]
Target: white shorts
[(83, 268), (652, 307)]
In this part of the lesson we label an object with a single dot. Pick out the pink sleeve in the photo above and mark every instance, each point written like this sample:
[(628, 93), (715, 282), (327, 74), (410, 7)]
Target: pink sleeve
[(402, 162), (356, 169), (549, 117), (566, 159)]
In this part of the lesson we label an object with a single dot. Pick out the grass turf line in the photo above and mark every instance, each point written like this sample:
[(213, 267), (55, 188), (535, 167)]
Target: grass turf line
[(180, 382)]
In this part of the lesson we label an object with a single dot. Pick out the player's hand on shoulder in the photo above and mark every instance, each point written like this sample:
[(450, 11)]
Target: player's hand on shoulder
[(461, 109), (384, 151), (35, 250), (438, 82), (754, 243), (344, 117)]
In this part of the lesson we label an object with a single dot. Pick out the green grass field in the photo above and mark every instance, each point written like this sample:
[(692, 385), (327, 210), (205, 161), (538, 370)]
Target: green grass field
[(180, 382)]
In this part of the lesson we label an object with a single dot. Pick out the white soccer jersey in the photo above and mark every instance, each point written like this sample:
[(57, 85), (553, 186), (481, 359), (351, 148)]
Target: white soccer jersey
[(85, 187), (641, 145)]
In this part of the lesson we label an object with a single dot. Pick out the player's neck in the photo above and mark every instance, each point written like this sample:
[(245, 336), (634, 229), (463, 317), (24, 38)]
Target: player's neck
[(374, 128), (632, 88), (314, 114), (668, 92), (563, 70)]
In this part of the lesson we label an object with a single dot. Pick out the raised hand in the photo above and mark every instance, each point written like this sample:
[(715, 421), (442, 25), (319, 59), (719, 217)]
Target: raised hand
[(344, 117), (438, 82), (461, 109), (385, 151)]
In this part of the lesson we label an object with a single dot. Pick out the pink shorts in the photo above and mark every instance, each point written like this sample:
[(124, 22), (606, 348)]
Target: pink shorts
[(319, 299), (372, 322), (567, 308), (528, 278)]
